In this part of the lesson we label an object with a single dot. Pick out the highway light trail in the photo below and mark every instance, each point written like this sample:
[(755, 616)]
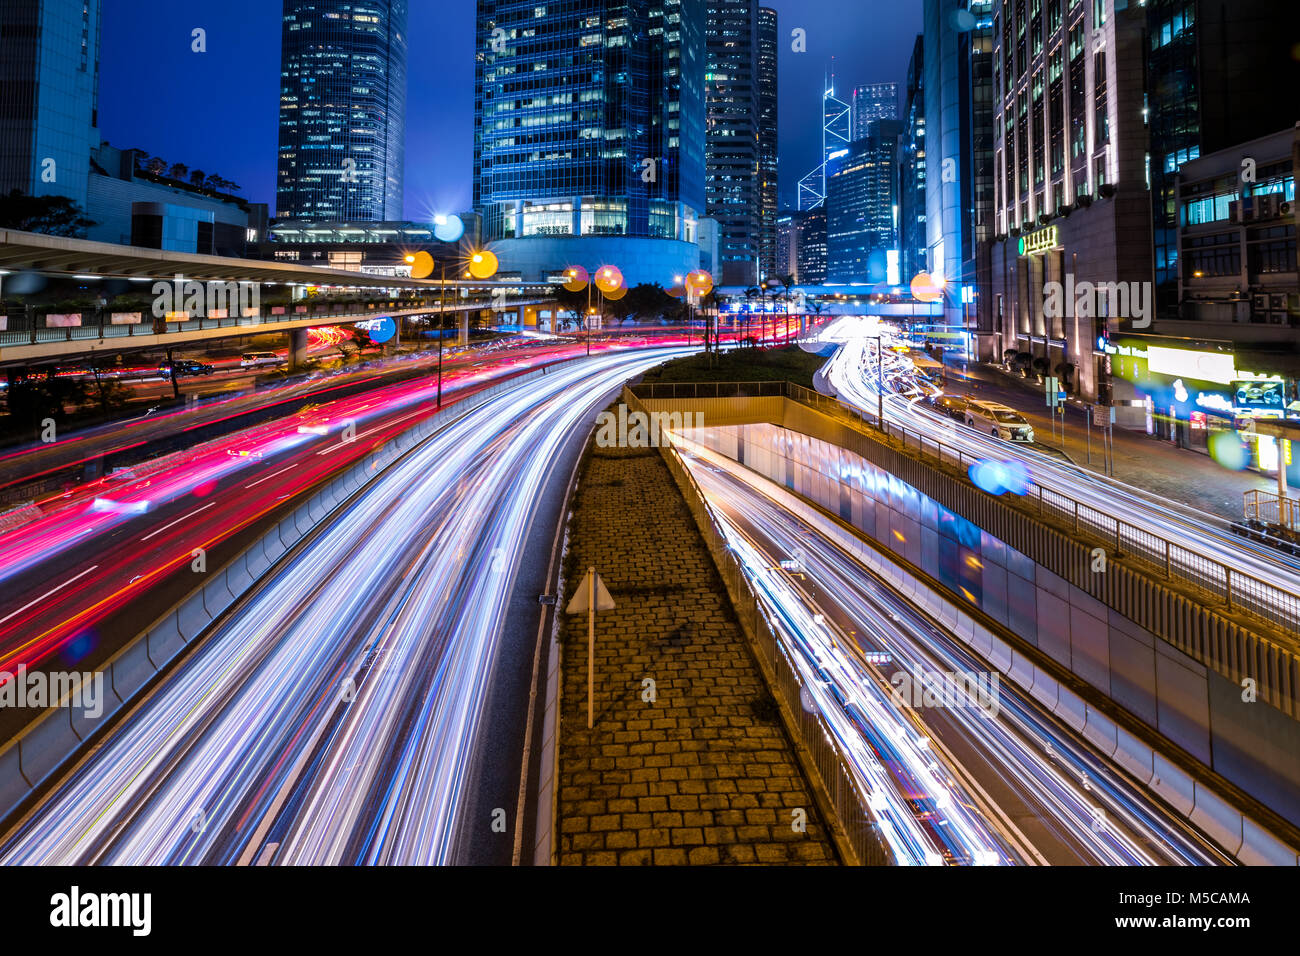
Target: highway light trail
[(331, 717), (930, 806), (852, 373), (132, 527)]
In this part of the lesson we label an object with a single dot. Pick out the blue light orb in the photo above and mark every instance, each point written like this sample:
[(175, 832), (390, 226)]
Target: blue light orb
[(448, 228), (1000, 477), (379, 329)]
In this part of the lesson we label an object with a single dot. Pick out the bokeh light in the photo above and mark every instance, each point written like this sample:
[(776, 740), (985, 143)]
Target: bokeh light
[(421, 265), (448, 228), (925, 288), (1229, 450), (483, 265)]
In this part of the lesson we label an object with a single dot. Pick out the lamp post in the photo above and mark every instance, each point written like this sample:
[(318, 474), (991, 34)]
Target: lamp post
[(609, 275), (880, 383)]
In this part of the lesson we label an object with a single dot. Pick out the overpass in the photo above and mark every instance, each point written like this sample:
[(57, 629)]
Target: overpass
[(32, 335)]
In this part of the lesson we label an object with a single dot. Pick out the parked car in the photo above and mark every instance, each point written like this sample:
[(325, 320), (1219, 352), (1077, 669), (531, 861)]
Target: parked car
[(260, 360), (1000, 421), (954, 406)]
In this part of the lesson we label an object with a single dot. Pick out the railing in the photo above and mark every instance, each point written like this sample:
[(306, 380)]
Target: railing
[(841, 786), (1239, 591), (1272, 509), (24, 327)]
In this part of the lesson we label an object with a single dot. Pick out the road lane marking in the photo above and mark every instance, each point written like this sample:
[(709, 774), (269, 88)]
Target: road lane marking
[(177, 521), (269, 477), (47, 594)]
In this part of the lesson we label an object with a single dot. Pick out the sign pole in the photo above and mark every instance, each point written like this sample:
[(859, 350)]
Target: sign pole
[(591, 647), (1089, 417)]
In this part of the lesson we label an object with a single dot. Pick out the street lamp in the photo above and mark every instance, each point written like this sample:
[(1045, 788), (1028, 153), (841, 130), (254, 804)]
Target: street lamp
[(607, 280)]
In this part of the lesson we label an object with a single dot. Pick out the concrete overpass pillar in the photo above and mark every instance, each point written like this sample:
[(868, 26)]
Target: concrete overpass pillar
[(462, 326), (297, 348)]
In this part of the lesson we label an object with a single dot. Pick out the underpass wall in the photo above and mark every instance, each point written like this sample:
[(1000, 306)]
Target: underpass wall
[(1254, 744)]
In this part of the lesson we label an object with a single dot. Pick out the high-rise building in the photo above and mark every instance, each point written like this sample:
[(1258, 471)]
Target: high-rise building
[(959, 132), (811, 246), (589, 135), (1213, 77), (871, 102), (49, 96), (787, 244), (912, 170), (837, 132), (860, 201), (342, 110), (732, 144), (1071, 200), (767, 142)]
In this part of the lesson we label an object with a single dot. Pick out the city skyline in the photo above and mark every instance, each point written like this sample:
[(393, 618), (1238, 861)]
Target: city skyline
[(241, 77)]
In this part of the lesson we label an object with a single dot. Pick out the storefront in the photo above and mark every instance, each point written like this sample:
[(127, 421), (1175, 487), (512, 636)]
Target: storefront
[(1196, 397)]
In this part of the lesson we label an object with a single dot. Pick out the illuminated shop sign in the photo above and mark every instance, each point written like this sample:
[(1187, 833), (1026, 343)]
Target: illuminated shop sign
[(1266, 394), (1039, 241), (1217, 367)]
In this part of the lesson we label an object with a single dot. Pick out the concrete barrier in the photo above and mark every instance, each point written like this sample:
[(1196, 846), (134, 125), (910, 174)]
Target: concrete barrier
[(1134, 756), (1261, 848), (1101, 731), (1173, 784), (1217, 818)]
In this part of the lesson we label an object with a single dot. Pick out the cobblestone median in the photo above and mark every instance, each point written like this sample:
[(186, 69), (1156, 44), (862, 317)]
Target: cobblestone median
[(694, 768)]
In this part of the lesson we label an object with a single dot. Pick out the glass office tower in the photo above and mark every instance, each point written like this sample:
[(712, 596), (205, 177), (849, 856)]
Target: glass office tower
[(732, 141), (871, 102), (767, 142), (342, 110), (589, 128), (49, 93)]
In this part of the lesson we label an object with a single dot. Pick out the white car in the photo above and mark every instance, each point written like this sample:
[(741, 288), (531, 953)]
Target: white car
[(1000, 421)]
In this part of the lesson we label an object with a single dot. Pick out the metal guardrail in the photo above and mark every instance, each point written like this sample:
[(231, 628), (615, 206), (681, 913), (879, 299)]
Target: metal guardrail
[(1272, 509), (841, 786), (1239, 591), (101, 327)]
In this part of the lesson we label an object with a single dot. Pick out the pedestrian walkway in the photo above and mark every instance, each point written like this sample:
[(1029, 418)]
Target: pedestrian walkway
[(1156, 465), (687, 762)]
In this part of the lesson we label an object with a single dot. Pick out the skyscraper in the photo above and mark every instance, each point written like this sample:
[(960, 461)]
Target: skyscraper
[(872, 102), (767, 141), (959, 132), (860, 200), (1071, 196), (912, 170), (810, 246), (342, 110), (1213, 75), (49, 96), (589, 135), (837, 132), (732, 144)]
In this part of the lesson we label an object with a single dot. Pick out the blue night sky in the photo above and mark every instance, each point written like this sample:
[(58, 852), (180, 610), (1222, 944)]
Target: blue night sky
[(217, 110)]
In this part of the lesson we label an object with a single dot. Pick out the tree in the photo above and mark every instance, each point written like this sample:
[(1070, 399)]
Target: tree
[(51, 215), (197, 178), (35, 399), (178, 171), (156, 165)]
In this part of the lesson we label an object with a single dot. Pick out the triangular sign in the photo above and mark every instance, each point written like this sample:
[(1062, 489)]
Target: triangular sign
[(582, 601)]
